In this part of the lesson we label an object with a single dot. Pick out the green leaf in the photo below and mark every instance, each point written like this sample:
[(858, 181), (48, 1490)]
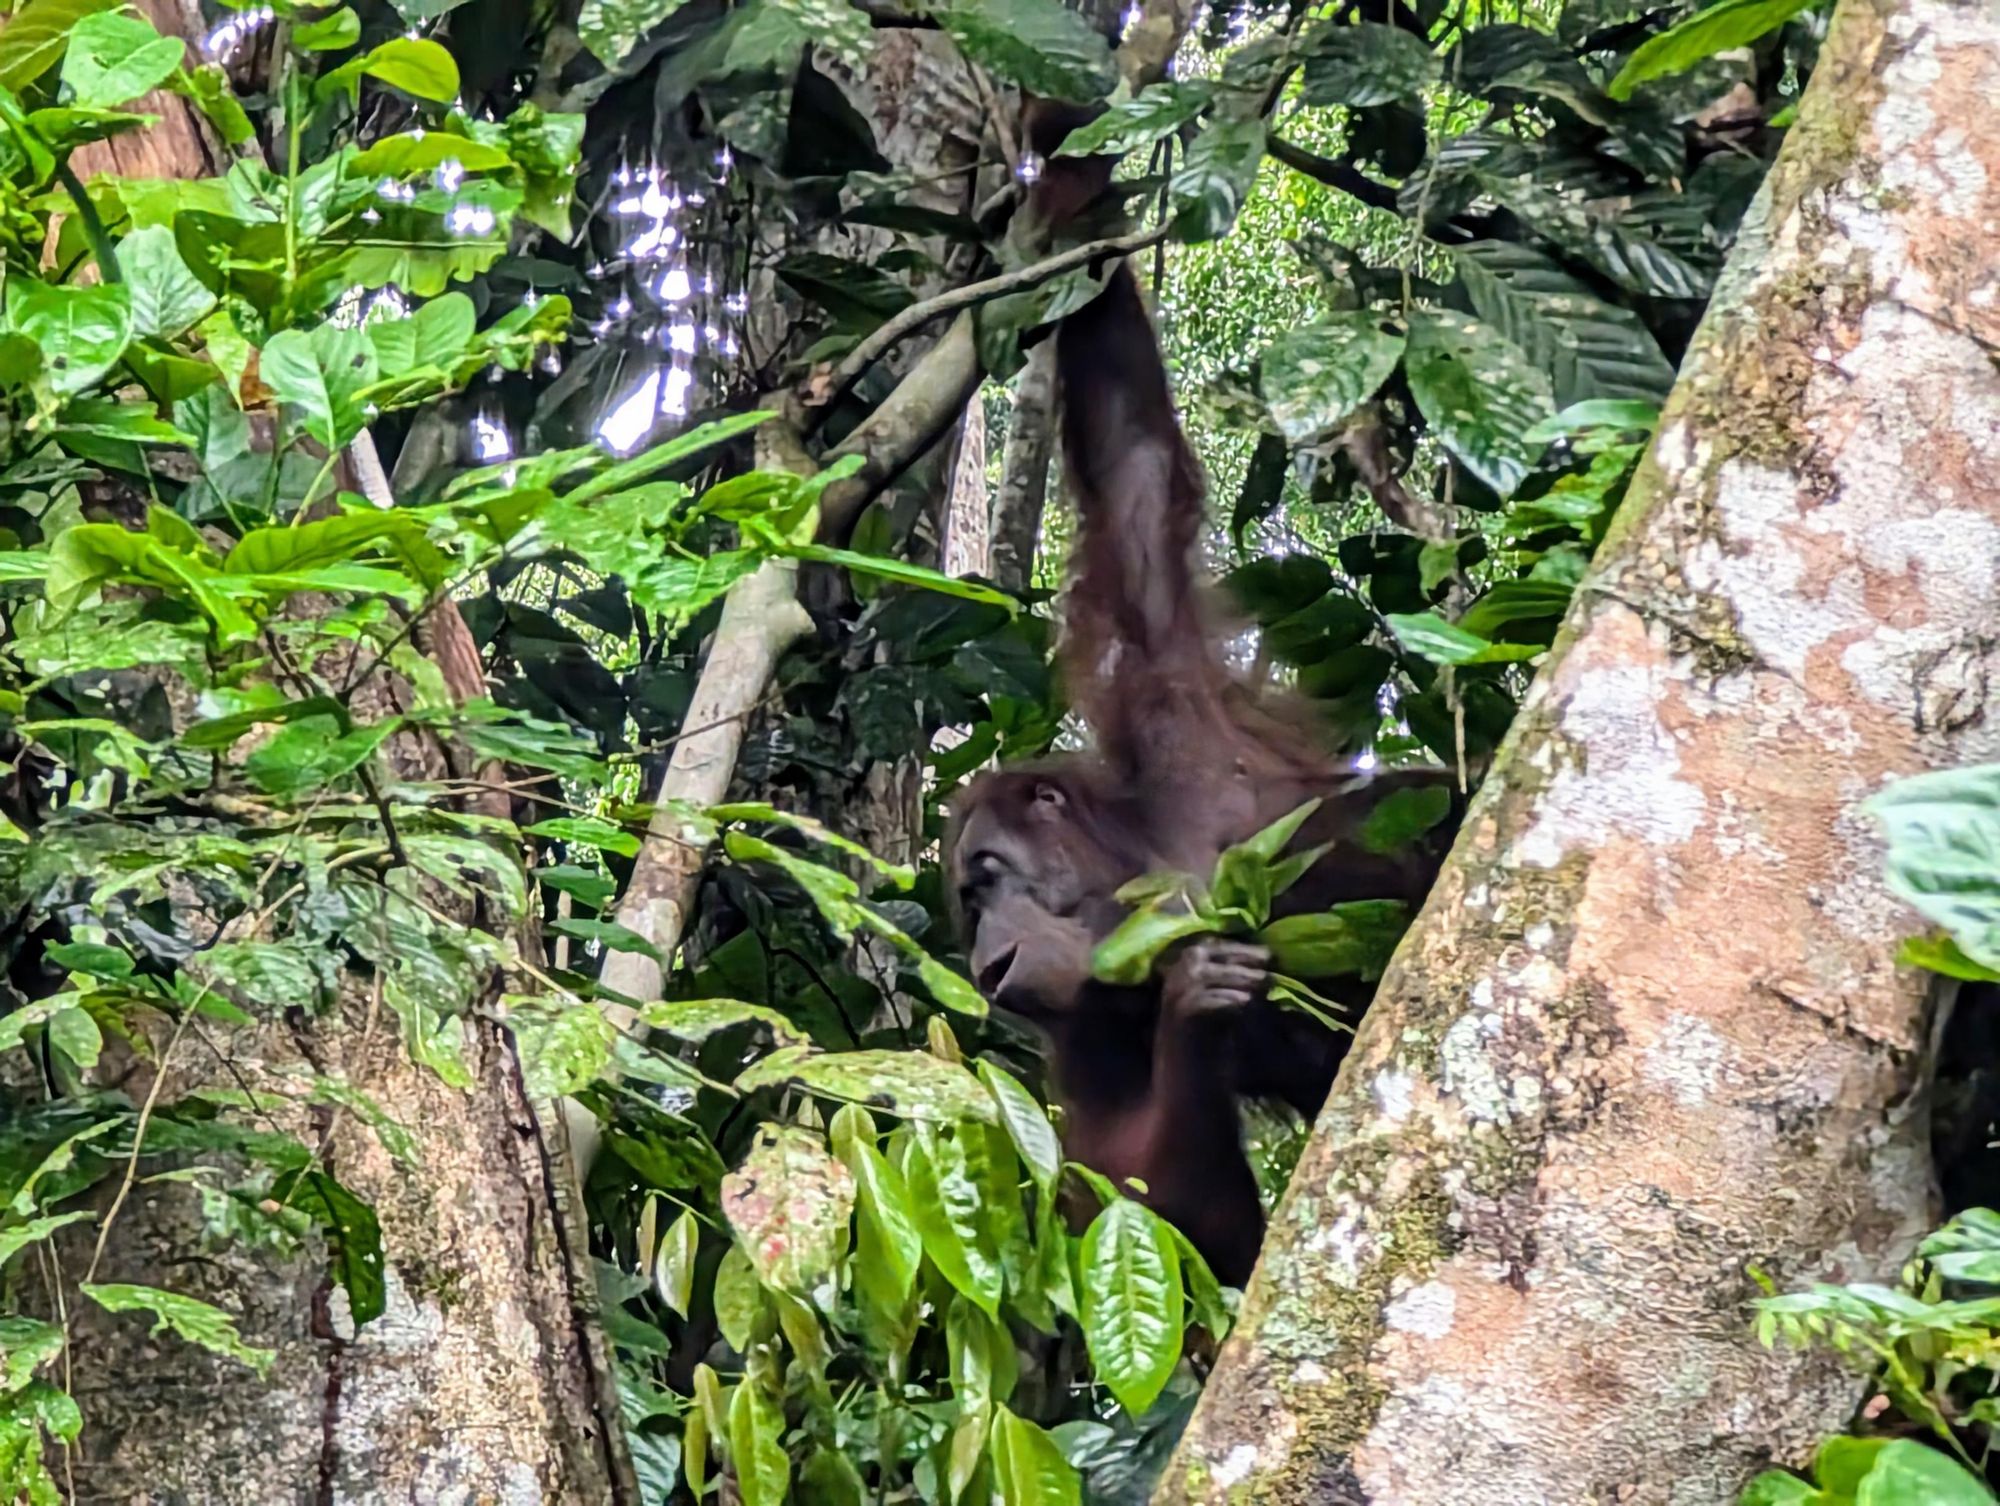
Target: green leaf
[(564, 1044), (1429, 636), (910, 1083), (75, 1034), (1355, 938), (1478, 392), (353, 1236), (415, 66), (1720, 28), (294, 548), (35, 36), (195, 1321), (26, 1344), (1590, 349), (1028, 1465), (945, 1203), (1776, 1488), (330, 33), (438, 335), (1040, 45), (114, 57), (884, 568), (789, 1204), (1127, 955), (612, 28), (1941, 955), (1944, 853), (1132, 1302), (321, 375), (1368, 63), (82, 330), (1027, 1124), (1316, 376), (20, 1236), (207, 86), (673, 1263), (756, 1447), (1624, 415), (888, 1246), (1155, 111), (1402, 816), (1210, 187), (1907, 1473), (1843, 1463), (588, 831), (312, 752)]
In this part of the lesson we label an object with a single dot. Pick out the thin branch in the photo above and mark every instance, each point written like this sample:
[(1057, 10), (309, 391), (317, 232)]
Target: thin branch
[(917, 315), (1335, 172)]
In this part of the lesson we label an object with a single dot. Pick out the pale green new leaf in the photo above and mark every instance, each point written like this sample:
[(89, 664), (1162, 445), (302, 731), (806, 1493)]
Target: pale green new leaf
[(1133, 1306), (114, 57), (1155, 111), (756, 1447), (1720, 28), (321, 375), (82, 329)]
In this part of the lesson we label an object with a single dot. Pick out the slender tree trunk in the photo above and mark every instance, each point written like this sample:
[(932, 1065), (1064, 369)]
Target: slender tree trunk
[(1649, 1032), (1024, 470)]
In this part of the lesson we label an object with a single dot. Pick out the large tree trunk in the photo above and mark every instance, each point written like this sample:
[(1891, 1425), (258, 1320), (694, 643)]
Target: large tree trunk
[(487, 1377), (1649, 1032)]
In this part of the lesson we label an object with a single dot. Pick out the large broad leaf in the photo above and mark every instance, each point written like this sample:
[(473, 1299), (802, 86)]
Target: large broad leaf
[(414, 65), (1907, 1473), (1589, 348), (789, 1203), (1155, 111), (1368, 63), (1027, 1124), (114, 57), (1041, 45), (946, 1193), (352, 1233), (193, 1320), (757, 1448), (1478, 391), (888, 1247), (321, 375), (35, 36), (1720, 28), (1944, 852), (82, 330), (910, 1083), (1355, 939), (166, 295), (1132, 1302), (436, 335), (1316, 376), (312, 752), (612, 28), (1028, 1465), (1207, 192), (1429, 636)]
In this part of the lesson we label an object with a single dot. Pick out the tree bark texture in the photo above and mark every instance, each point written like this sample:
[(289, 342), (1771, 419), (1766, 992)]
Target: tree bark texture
[(1649, 1031), (1024, 471)]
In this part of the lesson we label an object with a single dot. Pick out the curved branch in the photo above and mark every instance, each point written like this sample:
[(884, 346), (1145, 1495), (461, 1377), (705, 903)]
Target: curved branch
[(917, 315)]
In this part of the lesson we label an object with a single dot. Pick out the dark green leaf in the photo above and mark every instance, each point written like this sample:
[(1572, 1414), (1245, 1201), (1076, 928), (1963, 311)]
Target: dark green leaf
[(1209, 189), (1040, 45), (1355, 939), (1478, 392), (1590, 349), (1316, 376), (353, 1236), (1132, 1302), (1368, 63), (1402, 816)]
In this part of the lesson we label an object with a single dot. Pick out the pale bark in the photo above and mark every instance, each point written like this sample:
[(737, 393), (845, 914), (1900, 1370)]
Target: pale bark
[(967, 547), (1649, 1032), (1024, 471)]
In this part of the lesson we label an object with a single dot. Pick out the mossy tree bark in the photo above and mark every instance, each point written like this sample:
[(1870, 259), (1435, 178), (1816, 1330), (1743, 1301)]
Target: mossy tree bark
[(1649, 1031)]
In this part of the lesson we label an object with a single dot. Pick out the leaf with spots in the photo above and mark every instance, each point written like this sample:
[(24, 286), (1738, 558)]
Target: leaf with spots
[(1315, 377), (789, 1204), (1480, 394)]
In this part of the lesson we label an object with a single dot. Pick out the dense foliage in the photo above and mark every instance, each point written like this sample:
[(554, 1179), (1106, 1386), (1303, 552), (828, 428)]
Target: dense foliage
[(248, 781)]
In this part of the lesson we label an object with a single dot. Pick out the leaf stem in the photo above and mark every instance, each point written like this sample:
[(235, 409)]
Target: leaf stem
[(92, 222)]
